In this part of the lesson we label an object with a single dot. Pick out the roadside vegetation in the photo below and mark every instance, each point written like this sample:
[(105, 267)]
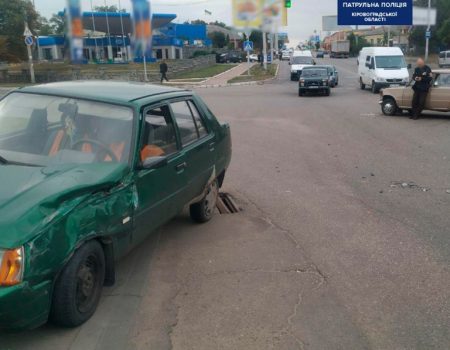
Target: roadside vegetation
[(205, 72), (257, 73)]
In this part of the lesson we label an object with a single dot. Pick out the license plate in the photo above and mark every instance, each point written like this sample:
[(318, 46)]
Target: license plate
[(313, 87), (395, 85)]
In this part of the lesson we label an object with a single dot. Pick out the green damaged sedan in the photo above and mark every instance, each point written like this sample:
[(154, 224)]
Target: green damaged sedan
[(87, 171)]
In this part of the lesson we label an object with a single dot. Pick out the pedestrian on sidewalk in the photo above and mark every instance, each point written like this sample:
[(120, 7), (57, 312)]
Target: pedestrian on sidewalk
[(163, 69), (422, 82)]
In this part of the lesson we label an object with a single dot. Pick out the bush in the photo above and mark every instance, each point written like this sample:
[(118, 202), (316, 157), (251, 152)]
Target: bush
[(200, 53)]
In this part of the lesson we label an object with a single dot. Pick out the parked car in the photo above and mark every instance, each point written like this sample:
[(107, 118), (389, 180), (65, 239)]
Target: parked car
[(320, 54), (253, 57), (394, 100), (314, 79), (381, 67), (333, 76), (444, 59), (89, 170)]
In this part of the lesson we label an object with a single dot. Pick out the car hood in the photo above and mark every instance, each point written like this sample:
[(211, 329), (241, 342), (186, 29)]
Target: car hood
[(296, 67), (392, 73), (32, 197)]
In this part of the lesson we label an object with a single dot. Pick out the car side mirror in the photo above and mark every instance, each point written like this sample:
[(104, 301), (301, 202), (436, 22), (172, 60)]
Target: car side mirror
[(409, 66), (154, 162)]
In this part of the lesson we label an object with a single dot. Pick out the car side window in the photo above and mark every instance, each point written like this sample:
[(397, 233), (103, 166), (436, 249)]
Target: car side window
[(185, 122), (159, 137), (443, 80), (200, 124)]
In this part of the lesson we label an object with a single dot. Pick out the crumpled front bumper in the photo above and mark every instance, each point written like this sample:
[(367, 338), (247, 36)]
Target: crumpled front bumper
[(24, 307)]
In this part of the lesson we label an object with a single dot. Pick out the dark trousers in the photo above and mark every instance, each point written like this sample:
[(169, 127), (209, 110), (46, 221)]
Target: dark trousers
[(418, 103), (164, 76)]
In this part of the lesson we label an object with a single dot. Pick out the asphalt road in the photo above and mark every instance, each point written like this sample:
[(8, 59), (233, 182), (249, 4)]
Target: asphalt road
[(331, 250)]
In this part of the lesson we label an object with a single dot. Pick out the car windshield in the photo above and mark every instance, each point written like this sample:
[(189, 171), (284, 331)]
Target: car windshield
[(47, 130), (390, 62), (302, 60), (310, 73)]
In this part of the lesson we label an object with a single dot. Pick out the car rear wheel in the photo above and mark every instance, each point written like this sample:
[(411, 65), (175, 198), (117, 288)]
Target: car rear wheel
[(361, 84), (78, 288), (203, 211), (389, 107)]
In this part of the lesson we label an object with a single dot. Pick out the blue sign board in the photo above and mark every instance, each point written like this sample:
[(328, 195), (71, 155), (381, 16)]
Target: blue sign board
[(375, 12), (29, 40), (428, 34), (248, 46)]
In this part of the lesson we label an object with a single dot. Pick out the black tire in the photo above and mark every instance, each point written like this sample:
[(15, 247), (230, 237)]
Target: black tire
[(389, 107), (361, 84), (375, 88), (203, 211), (78, 288), (301, 93), (327, 92)]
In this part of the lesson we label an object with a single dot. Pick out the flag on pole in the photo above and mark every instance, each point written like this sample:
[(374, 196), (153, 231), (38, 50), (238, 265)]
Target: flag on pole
[(142, 29), (75, 24), (209, 13)]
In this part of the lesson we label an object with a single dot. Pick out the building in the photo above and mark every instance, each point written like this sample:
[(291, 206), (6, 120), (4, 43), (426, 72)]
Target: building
[(107, 38)]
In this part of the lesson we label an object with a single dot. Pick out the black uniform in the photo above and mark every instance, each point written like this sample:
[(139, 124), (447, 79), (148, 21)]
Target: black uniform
[(163, 68), (421, 89)]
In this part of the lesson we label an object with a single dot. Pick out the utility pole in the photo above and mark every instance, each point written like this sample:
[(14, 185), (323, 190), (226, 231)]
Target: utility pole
[(427, 43), (264, 49), (389, 37)]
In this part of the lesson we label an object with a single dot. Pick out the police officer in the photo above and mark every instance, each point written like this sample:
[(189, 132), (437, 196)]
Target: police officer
[(422, 81)]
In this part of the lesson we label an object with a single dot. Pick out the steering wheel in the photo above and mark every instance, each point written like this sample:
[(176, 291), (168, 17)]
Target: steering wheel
[(104, 147)]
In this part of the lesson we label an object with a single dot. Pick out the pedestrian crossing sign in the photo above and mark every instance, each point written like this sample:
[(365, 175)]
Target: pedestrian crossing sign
[(248, 46)]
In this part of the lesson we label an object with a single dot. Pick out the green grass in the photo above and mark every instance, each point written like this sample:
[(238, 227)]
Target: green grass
[(257, 73), (206, 72)]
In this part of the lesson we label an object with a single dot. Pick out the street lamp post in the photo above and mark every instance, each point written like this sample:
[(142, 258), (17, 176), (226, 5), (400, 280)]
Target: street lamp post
[(427, 42)]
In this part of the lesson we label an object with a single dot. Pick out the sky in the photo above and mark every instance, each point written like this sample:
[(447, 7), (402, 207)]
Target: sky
[(305, 16)]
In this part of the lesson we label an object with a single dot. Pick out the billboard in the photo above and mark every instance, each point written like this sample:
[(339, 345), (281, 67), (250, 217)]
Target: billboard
[(420, 16), (375, 12), (75, 28), (142, 28), (259, 13)]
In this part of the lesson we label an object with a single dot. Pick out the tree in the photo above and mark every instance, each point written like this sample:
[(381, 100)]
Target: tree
[(218, 39), (256, 37), (444, 33), (111, 8), (45, 28), (198, 21), (58, 23), (13, 14), (354, 47)]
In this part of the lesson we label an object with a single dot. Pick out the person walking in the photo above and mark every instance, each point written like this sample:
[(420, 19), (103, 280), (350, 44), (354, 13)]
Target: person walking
[(163, 69), (422, 81)]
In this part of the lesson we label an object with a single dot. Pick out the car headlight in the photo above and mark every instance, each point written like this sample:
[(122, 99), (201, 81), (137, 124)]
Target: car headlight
[(406, 80), (11, 266), (380, 80)]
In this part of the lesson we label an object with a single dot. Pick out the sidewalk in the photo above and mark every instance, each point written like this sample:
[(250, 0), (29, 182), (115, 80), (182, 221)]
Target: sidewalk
[(223, 78)]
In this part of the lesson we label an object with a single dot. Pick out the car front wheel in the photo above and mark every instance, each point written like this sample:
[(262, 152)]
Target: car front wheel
[(203, 211), (78, 288), (361, 84), (389, 107)]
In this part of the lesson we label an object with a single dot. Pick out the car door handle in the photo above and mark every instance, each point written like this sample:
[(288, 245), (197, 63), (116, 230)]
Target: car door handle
[(181, 167), (212, 146)]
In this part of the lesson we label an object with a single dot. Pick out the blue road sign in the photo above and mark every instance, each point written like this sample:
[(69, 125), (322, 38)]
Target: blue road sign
[(248, 46), (428, 34), (29, 40), (375, 12)]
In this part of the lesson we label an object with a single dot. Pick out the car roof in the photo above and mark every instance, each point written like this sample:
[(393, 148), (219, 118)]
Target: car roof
[(107, 91), (382, 50), (441, 71)]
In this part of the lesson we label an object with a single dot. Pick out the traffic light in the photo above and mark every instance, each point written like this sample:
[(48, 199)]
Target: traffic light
[(288, 4)]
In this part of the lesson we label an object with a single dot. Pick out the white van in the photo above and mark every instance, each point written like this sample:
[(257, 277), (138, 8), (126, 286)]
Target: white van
[(299, 60), (381, 67), (444, 59)]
